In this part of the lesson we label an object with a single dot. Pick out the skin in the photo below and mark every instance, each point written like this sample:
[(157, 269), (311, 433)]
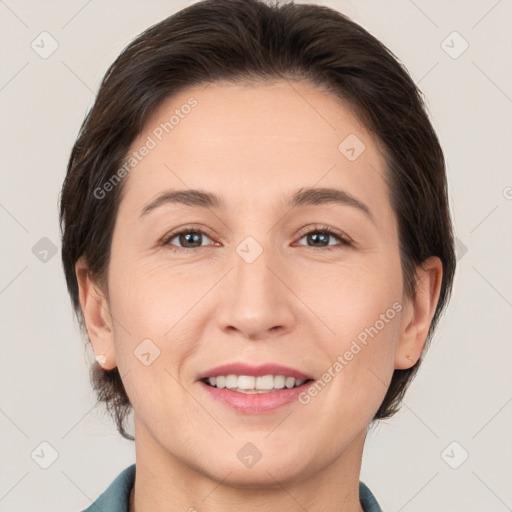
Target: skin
[(296, 304)]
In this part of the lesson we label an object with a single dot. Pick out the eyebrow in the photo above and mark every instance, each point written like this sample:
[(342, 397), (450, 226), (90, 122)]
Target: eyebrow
[(308, 196)]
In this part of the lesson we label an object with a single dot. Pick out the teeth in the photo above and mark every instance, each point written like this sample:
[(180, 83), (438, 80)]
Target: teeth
[(245, 382), (265, 382), (231, 381), (279, 381), (250, 384), (289, 382)]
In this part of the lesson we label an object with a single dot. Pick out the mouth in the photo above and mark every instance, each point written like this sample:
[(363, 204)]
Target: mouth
[(254, 389), (250, 384)]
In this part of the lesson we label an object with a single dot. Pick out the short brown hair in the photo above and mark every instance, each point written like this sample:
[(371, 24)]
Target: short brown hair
[(240, 40)]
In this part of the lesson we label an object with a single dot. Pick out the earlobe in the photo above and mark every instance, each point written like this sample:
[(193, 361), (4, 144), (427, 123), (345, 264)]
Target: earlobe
[(96, 313), (419, 313)]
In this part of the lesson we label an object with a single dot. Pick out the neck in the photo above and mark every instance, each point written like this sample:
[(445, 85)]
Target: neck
[(163, 480), (131, 507)]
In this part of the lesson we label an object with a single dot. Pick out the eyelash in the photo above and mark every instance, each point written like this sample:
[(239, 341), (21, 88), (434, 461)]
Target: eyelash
[(344, 241)]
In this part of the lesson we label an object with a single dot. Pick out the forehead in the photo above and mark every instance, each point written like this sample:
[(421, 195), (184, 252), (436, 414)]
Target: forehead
[(255, 138), (279, 109)]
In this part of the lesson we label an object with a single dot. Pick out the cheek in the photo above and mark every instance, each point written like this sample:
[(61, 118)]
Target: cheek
[(159, 311), (152, 298), (361, 311), (152, 334), (352, 299)]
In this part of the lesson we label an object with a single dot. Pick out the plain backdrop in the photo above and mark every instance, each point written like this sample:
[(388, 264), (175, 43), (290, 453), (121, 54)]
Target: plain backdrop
[(449, 448)]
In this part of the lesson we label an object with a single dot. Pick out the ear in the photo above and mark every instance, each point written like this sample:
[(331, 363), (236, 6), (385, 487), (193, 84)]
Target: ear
[(418, 313), (96, 312)]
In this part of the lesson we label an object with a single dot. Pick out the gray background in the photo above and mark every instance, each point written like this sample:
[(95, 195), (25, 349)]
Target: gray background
[(463, 392)]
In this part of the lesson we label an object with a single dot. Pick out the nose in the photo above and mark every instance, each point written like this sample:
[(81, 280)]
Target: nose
[(256, 301)]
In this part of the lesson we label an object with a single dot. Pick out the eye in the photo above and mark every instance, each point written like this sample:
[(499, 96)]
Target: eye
[(189, 237), (319, 237)]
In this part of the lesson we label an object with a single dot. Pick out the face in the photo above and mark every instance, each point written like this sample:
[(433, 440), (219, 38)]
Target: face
[(274, 274)]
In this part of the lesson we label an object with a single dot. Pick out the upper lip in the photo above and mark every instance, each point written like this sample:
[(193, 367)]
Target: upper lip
[(256, 371)]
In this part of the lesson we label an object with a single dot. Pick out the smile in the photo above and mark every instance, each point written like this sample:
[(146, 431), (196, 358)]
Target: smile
[(253, 385)]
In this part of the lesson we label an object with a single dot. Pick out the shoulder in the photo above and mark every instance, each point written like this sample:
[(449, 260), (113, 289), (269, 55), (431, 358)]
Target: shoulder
[(367, 499), (115, 498)]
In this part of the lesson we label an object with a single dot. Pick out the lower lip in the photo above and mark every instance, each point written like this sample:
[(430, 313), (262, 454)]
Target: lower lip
[(255, 403)]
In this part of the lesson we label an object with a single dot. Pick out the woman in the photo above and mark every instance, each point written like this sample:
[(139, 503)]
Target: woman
[(257, 241)]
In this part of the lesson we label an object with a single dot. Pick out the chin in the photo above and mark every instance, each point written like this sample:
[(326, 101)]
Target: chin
[(257, 479), (267, 472)]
